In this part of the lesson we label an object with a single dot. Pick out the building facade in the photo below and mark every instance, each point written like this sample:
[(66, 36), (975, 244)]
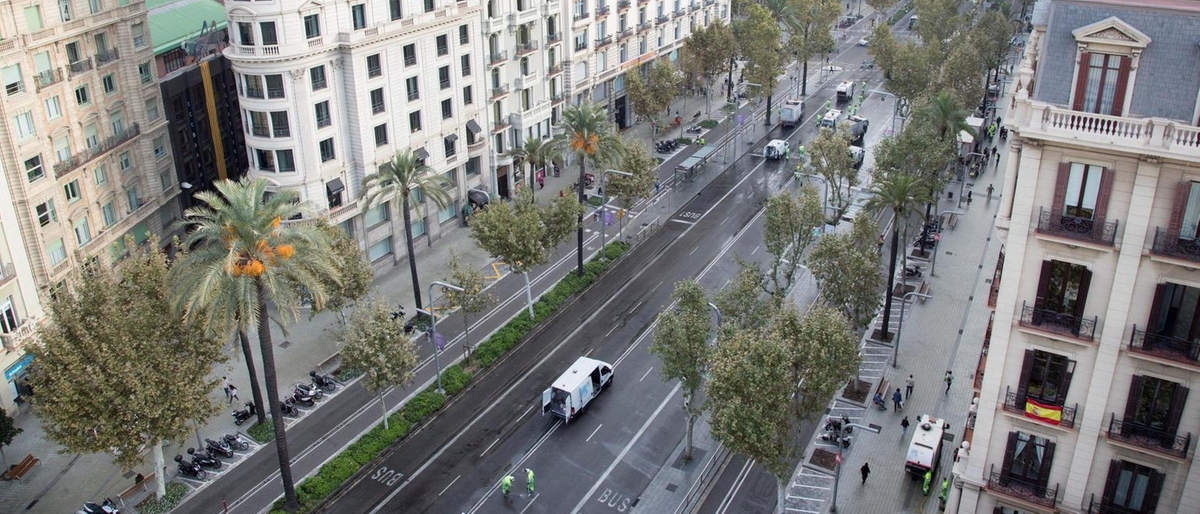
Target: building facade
[(84, 151), (330, 92), (1084, 401)]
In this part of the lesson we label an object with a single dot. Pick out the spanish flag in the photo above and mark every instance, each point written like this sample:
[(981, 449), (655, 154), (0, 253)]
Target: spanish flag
[(1042, 412)]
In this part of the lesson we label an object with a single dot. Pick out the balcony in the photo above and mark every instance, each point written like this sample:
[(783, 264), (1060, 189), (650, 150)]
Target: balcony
[(643, 2), (1164, 347), (553, 38), (710, 2), (580, 46), (644, 26), (499, 92), (1023, 490), (1169, 244), (7, 273), (622, 5), (554, 70), (556, 99), (624, 34), (81, 66), (48, 78), (579, 16), (86, 156), (694, 7), (604, 41), (17, 339), (1158, 441), (107, 56), (678, 13), (526, 48), (282, 132), (1103, 233), (662, 18), (498, 57), (602, 11), (501, 124), (1069, 325), (1015, 403)]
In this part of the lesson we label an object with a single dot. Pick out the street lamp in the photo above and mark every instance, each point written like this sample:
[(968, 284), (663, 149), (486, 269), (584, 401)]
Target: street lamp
[(933, 264), (900, 330), (432, 334), (824, 198), (604, 203), (895, 108), (837, 476)]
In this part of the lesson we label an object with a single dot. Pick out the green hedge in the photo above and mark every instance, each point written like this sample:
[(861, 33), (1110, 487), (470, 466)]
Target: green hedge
[(175, 493), (317, 488), (262, 432)]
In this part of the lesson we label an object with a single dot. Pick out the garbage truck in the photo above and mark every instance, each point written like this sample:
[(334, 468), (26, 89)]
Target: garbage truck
[(925, 449), (791, 114), (576, 388)]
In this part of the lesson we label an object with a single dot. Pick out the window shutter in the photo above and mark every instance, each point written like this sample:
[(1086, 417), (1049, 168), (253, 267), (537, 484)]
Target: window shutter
[(1153, 324), (1102, 197), (1065, 384), (1131, 402), (1060, 189), (1085, 282), (1181, 198), (1043, 283), (1047, 460), (1081, 82), (1153, 490), (1110, 483), (1176, 410), (1006, 466), (1023, 383), (1122, 83)]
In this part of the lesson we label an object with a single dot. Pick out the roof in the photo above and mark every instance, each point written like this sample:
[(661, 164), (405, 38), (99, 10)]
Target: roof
[(578, 373), (925, 440), (174, 21)]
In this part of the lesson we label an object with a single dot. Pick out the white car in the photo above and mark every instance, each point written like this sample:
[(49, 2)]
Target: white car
[(864, 41)]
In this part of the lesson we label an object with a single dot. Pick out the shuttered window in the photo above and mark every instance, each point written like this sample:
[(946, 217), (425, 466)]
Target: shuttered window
[(1101, 83)]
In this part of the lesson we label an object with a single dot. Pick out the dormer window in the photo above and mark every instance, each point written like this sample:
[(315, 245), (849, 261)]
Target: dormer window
[(1109, 51)]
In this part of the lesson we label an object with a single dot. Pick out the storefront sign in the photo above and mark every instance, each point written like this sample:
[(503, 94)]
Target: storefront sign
[(16, 369)]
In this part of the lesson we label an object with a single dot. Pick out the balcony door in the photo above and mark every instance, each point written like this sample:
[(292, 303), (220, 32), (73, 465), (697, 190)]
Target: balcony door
[(1101, 83), (9, 322), (1027, 460), (1131, 488), (1063, 288), (1045, 378), (1154, 408), (1175, 315)]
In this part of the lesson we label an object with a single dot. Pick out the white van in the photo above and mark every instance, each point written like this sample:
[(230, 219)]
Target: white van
[(925, 450), (576, 388)]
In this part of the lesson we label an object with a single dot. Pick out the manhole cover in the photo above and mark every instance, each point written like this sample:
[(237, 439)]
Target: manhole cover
[(671, 488), (285, 344), (949, 253)]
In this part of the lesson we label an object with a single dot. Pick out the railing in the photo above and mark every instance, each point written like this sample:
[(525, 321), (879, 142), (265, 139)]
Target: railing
[(1077, 228), (1101, 507), (374, 71), (1164, 346), (1158, 136), (80, 66), (255, 92), (624, 34), (554, 70), (662, 18), (527, 48), (48, 78), (107, 56), (324, 121), (413, 95), (282, 131), (604, 41), (579, 16), (556, 99), (316, 42), (260, 131), (1169, 244), (501, 125), (679, 13), (274, 92), (498, 92), (378, 107), (498, 57), (602, 10), (554, 38), (1015, 402), (410, 60), (81, 158), (1151, 439), (622, 4), (645, 25), (1022, 489), (580, 45), (13, 341), (643, 2), (1058, 322), (694, 7)]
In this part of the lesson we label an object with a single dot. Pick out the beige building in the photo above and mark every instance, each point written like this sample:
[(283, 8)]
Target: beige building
[(83, 148)]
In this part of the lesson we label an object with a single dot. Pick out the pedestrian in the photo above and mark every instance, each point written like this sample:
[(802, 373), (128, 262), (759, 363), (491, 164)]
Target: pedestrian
[(541, 182), (997, 160), (949, 378), (880, 244), (866, 470), (904, 426), (657, 185), (897, 401), (225, 386), (908, 387), (506, 484), (529, 480), (596, 215), (787, 154), (968, 198), (989, 192), (233, 394)]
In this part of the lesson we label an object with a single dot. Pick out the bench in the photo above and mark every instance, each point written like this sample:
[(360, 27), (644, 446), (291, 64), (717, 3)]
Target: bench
[(951, 221), (882, 388), (143, 486), (22, 468), (924, 289)]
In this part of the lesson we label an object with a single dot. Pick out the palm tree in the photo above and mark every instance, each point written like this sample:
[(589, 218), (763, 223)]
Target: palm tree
[(589, 134), (242, 257), (944, 115), (539, 153), (902, 194), (397, 180)]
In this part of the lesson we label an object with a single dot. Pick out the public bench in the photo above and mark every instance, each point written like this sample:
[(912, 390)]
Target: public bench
[(22, 468)]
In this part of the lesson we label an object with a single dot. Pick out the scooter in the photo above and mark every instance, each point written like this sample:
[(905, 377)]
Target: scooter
[(287, 408), (912, 272), (214, 447), (236, 441), (240, 416), (839, 425), (190, 468), (203, 460), (323, 381), (833, 437), (299, 398), (310, 390), (104, 508)]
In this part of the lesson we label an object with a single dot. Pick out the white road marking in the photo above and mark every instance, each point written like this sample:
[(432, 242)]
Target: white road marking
[(530, 504), (646, 374), (485, 450), (693, 250), (684, 222), (610, 331), (451, 483), (589, 439)]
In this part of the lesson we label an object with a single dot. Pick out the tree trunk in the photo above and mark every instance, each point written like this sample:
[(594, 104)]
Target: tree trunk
[(412, 256), (383, 406), (4, 458), (272, 385), (804, 80), (770, 96), (691, 423), (260, 407), (160, 471), (528, 295), (729, 86), (887, 297), (579, 229), (466, 331)]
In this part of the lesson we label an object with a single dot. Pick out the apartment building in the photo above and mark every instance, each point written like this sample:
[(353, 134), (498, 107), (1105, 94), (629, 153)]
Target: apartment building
[(83, 148), (1083, 400), (329, 92)]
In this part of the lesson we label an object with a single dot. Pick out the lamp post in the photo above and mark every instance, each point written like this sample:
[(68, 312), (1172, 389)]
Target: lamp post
[(837, 476), (900, 330), (432, 334), (824, 198), (604, 203), (933, 264), (895, 108)]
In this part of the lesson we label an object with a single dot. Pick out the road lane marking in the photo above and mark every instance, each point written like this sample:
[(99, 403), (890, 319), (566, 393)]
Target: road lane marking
[(610, 331), (530, 504), (485, 450), (451, 483), (693, 250), (684, 222), (738, 482), (646, 374), (589, 439)]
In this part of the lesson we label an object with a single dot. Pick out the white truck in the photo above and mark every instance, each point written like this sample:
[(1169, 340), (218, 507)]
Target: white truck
[(791, 114), (576, 388), (776, 149), (845, 91), (830, 119), (925, 450)]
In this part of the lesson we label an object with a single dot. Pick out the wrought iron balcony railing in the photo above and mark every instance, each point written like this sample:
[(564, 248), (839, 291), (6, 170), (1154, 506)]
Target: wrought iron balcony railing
[(527, 48), (86, 156), (1022, 489), (1058, 322), (554, 38), (1169, 244), (498, 92), (1104, 233), (604, 41), (48, 78), (106, 56), (1164, 346), (662, 18), (80, 66), (602, 10), (498, 57), (1015, 402), (1152, 439)]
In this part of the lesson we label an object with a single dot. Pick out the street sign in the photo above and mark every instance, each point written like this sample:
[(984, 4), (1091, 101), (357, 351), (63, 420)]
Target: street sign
[(439, 341), (608, 218)]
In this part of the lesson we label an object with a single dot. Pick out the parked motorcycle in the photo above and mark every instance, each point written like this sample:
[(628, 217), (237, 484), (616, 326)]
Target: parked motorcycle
[(323, 381), (913, 271), (833, 437), (240, 416), (214, 447), (190, 468), (104, 508), (287, 408), (310, 389), (204, 460), (299, 398), (838, 425), (236, 441), (695, 129)]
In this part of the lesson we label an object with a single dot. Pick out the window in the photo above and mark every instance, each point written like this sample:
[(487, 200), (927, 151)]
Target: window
[(166, 181), (286, 162), (374, 66), (1063, 289), (443, 45), (473, 167), (396, 9), (381, 135), (524, 66), (126, 161), (100, 175), (265, 160), (1101, 84), (24, 123), (139, 34), (1154, 409), (33, 168), (144, 72), (464, 35), (429, 5), (322, 112), (410, 55), (376, 215), (56, 252), (81, 95), (91, 136), (279, 124), (377, 105), (45, 212), (525, 100), (267, 31), (316, 76), (1027, 459), (33, 17), (160, 147), (414, 121), (379, 250), (246, 33), (444, 77), (447, 109), (467, 96), (131, 197), (83, 234), (274, 86), (326, 148), (465, 63), (581, 40), (448, 212), (358, 13), (53, 108), (1045, 377), (253, 86), (259, 126), (1131, 488), (152, 109), (62, 148), (1082, 189), (312, 26), (624, 53), (109, 214), (448, 144), (412, 86), (117, 121)]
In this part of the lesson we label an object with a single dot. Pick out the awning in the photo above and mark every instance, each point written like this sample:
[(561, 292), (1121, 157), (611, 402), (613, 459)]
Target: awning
[(335, 186), (478, 198), (421, 153), (452, 138), (474, 127)]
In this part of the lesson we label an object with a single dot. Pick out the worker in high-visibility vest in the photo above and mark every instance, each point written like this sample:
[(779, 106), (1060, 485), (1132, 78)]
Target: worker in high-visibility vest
[(945, 490), (928, 479), (506, 484)]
